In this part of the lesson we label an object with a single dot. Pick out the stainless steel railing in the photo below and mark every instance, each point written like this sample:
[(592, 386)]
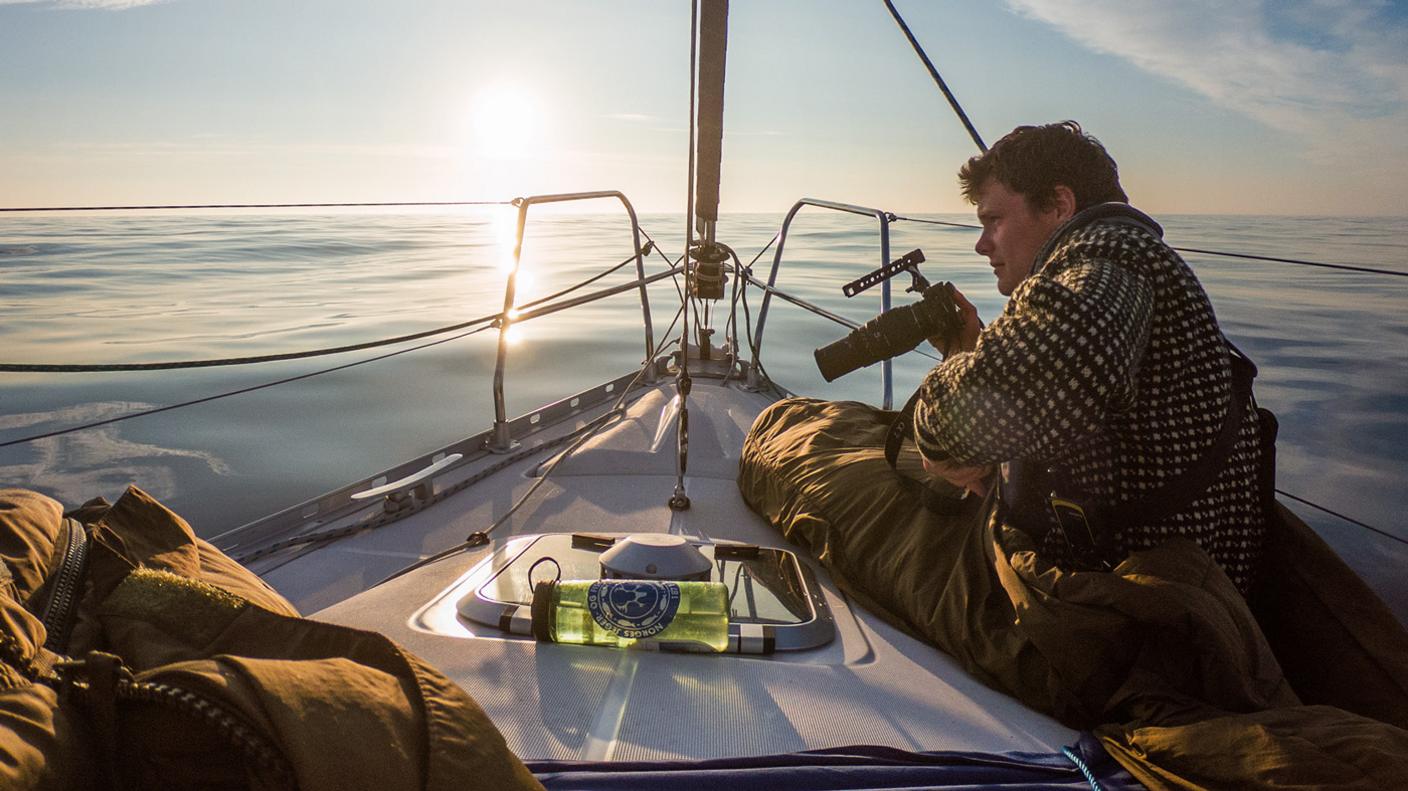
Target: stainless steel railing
[(884, 218), (501, 440)]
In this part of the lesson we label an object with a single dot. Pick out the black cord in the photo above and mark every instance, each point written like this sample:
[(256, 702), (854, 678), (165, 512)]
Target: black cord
[(1350, 520), (1248, 256), (269, 358), (240, 391), (672, 264), (260, 205), (1346, 267), (564, 292), (933, 72)]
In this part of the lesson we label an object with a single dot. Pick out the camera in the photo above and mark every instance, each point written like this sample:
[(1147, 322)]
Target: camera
[(893, 332)]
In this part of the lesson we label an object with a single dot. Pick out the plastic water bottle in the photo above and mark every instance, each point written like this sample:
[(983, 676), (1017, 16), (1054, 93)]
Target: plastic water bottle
[(679, 616)]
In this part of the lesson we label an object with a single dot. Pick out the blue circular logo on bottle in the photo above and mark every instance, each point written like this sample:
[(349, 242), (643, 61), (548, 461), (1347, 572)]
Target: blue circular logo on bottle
[(633, 608)]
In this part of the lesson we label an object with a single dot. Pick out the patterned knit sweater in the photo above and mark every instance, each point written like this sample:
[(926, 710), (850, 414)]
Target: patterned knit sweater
[(1108, 367)]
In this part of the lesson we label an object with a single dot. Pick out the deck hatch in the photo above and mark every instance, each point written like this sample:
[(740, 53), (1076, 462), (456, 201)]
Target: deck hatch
[(768, 587)]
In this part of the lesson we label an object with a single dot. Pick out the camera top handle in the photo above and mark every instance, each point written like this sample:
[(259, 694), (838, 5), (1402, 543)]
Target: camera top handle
[(909, 262)]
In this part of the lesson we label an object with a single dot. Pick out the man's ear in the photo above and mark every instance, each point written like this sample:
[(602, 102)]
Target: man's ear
[(1065, 203)]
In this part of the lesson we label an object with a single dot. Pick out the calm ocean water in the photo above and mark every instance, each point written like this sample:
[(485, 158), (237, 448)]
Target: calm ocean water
[(1332, 346)]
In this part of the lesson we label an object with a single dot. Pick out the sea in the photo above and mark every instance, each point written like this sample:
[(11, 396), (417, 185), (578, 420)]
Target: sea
[(138, 287)]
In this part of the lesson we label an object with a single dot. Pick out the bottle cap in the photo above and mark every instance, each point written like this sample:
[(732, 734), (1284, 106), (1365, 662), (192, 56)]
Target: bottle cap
[(541, 610)]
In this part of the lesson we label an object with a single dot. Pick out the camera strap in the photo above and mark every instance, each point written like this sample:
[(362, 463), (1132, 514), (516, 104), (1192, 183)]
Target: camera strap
[(1179, 493), (900, 429), (1035, 495)]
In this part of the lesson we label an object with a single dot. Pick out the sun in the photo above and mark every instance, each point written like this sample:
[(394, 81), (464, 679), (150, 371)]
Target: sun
[(507, 122)]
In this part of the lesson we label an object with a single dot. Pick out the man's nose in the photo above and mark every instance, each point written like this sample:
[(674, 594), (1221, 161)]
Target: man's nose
[(983, 245)]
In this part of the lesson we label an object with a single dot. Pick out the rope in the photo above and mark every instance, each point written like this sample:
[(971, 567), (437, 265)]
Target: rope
[(1297, 261), (933, 72), (260, 205), (1084, 769), (268, 358)]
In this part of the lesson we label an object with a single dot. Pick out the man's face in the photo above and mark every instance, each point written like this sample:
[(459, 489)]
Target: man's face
[(1012, 233)]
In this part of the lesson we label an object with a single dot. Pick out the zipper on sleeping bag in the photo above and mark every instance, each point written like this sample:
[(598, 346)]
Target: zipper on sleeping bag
[(102, 685), (68, 584)]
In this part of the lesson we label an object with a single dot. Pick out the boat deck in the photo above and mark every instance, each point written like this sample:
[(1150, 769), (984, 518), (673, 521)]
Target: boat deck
[(872, 685)]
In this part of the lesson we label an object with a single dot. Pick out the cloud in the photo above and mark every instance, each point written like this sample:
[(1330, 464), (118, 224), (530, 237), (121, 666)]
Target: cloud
[(1331, 71), (75, 467), (101, 5), (97, 447)]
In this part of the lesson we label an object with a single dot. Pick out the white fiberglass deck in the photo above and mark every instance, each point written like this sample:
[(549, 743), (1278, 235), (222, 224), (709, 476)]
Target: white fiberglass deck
[(872, 685)]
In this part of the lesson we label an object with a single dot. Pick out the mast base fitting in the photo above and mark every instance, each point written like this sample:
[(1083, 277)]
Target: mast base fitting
[(709, 278), (679, 502)]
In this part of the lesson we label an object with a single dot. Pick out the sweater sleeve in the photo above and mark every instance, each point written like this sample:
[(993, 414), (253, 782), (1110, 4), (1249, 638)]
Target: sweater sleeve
[(1045, 374)]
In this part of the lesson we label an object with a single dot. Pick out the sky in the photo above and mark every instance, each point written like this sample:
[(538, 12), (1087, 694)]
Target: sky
[(1237, 106)]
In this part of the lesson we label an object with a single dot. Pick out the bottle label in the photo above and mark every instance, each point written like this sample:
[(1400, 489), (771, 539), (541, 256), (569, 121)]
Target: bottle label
[(633, 609)]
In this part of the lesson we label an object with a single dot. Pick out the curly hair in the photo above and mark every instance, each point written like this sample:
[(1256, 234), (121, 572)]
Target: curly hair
[(1032, 160)]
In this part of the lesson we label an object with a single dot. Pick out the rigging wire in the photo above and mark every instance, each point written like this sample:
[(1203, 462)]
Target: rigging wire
[(1346, 267), (937, 222), (742, 277), (684, 307), (1203, 251), (269, 358), (973, 132), (679, 500), (752, 343), (240, 391), (672, 264), (740, 274), (1350, 520), (939, 80), (257, 205), (644, 251)]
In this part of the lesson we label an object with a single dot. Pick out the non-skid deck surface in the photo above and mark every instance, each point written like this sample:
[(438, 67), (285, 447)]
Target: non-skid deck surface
[(873, 685)]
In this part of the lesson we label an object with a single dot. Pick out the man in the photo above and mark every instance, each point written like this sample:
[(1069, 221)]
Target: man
[(1105, 387)]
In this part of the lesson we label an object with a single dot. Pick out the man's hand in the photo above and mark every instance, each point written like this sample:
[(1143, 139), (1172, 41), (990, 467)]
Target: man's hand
[(967, 338), (974, 479)]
